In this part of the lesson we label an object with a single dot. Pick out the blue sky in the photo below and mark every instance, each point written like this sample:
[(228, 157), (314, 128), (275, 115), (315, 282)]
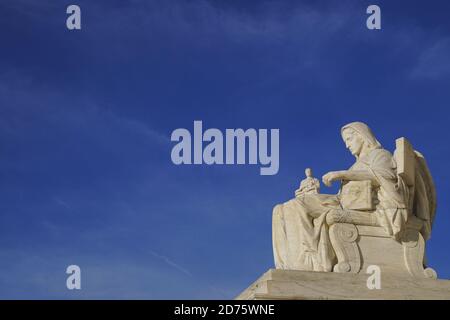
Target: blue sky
[(86, 116)]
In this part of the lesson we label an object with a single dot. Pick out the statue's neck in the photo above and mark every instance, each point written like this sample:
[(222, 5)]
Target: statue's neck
[(364, 152)]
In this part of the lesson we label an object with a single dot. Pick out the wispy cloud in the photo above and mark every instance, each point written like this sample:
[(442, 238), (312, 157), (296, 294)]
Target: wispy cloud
[(22, 97), (171, 263), (434, 62), (27, 274), (36, 10), (62, 203)]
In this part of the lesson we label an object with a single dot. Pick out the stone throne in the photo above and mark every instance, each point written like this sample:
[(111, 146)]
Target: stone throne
[(359, 245)]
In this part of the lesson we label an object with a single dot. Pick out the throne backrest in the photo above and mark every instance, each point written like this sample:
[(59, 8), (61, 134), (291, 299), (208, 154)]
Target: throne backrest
[(405, 158), (413, 169)]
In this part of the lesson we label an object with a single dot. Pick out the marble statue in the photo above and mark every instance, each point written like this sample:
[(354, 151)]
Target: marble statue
[(382, 214), (309, 185)]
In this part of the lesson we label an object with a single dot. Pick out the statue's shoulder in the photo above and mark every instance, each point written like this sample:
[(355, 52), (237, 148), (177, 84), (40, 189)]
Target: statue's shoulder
[(380, 154)]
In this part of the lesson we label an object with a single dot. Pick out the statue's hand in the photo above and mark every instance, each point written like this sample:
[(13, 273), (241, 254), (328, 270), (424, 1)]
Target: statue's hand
[(331, 176)]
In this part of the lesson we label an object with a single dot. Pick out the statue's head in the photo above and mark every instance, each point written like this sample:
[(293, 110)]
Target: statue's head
[(358, 137), (308, 172)]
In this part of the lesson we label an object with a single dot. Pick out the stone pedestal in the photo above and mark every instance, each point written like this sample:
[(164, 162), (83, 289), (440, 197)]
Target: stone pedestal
[(295, 285)]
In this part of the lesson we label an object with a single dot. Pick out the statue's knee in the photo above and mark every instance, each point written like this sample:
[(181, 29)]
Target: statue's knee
[(276, 212), (336, 216)]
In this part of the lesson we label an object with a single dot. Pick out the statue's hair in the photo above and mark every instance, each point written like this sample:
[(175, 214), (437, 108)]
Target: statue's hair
[(364, 131)]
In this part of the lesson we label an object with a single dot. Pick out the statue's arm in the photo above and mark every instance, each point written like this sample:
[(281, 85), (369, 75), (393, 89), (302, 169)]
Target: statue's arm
[(358, 175), (349, 175)]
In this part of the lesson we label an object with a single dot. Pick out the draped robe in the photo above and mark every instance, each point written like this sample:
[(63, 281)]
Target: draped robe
[(299, 229)]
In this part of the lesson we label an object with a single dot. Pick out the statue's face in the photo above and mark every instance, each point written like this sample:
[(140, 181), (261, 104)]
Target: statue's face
[(308, 172), (353, 141)]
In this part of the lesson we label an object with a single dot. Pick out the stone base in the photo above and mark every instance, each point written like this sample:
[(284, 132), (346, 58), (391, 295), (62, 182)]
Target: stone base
[(295, 285)]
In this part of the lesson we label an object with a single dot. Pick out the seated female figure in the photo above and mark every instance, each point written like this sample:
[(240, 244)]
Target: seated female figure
[(370, 194)]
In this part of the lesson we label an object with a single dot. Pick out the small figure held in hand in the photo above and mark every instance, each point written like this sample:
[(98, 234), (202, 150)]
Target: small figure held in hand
[(310, 185)]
